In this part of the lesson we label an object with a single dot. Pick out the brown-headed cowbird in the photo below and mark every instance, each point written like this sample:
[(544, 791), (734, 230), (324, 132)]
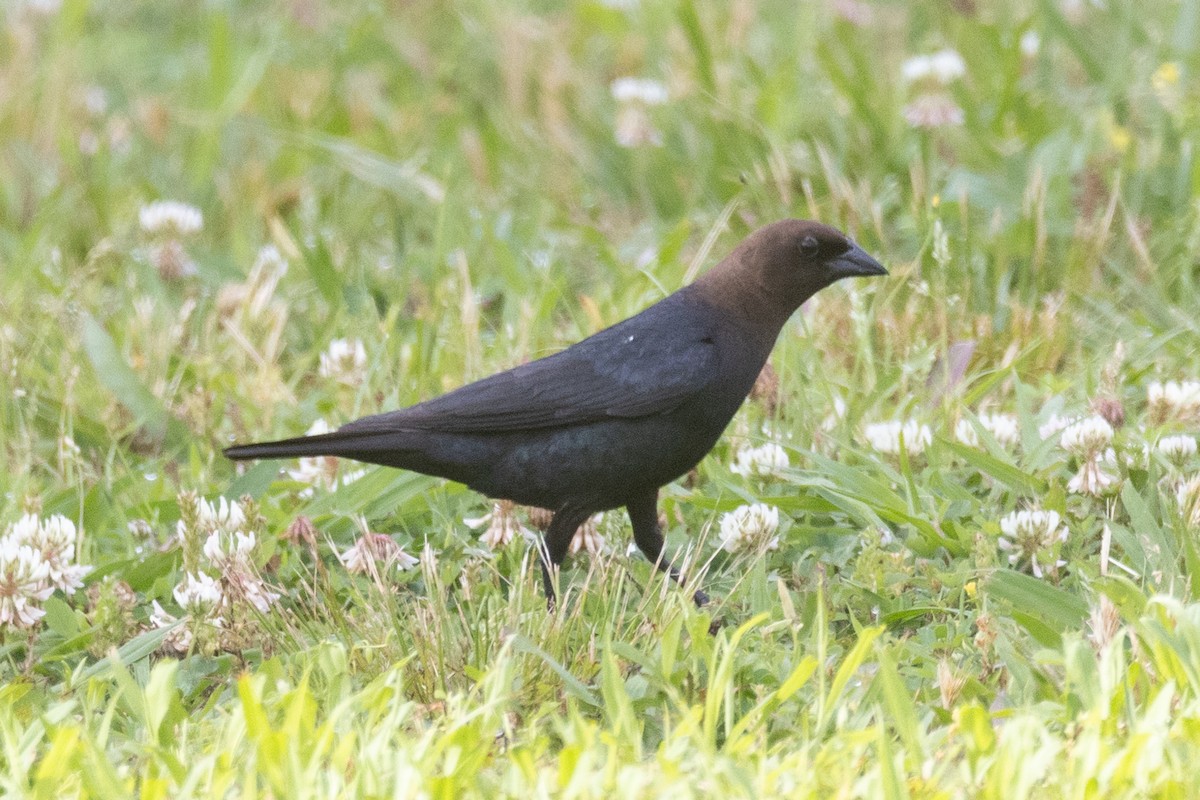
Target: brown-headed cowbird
[(611, 419)]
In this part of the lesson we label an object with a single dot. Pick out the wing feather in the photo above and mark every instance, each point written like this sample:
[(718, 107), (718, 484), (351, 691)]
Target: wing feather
[(646, 365)]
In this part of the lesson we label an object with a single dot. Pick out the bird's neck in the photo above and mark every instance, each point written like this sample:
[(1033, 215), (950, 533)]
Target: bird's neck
[(745, 303)]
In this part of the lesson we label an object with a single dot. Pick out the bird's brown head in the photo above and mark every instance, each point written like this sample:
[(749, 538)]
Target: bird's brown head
[(781, 265)]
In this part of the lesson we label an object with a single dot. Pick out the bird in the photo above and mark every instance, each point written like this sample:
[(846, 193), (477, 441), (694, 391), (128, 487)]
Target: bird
[(610, 420)]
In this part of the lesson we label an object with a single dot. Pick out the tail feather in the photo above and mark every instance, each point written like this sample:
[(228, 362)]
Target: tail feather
[(360, 445), (459, 458)]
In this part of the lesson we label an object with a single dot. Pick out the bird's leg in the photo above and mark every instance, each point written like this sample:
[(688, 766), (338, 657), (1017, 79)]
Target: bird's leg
[(557, 542), (643, 513)]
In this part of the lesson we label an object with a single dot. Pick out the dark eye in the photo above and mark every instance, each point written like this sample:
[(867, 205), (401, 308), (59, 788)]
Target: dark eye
[(809, 246)]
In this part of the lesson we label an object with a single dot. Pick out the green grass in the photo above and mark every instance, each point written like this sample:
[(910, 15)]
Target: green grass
[(446, 185)]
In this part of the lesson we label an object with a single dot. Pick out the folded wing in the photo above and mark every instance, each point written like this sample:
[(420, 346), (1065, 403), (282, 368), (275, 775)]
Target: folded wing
[(647, 365)]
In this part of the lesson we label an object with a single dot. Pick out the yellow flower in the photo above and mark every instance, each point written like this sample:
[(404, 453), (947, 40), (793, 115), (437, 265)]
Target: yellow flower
[(1120, 138), (1165, 77), (1165, 82)]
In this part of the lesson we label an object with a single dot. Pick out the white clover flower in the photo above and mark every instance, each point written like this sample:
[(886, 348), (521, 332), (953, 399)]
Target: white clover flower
[(220, 515), (260, 597), (1177, 449), (1030, 43), (1003, 428), (750, 527), (1092, 478), (25, 530), (587, 538), (916, 68), (371, 548), (58, 535), (1033, 537), (933, 110), (763, 461), (1179, 400), (231, 553), (180, 639), (964, 431), (44, 7), (53, 540), (1035, 525), (24, 581), (223, 546), (170, 217), (159, 617), (634, 127), (198, 594), (638, 90), (886, 437), (405, 561), (244, 584), (1055, 425), (345, 361), (947, 66), (95, 100), (502, 525), (1087, 438), (943, 67)]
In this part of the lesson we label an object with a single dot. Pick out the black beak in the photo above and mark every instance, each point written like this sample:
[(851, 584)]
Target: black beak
[(856, 263)]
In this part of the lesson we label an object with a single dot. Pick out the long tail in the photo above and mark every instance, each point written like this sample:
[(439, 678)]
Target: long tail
[(461, 459), (371, 446)]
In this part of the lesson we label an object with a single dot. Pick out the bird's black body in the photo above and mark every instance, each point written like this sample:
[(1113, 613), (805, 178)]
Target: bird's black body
[(609, 420)]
